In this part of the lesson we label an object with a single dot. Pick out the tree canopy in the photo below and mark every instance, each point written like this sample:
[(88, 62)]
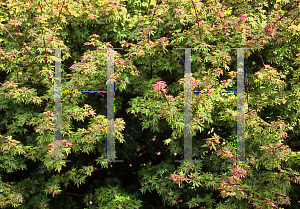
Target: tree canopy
[(149, 76)]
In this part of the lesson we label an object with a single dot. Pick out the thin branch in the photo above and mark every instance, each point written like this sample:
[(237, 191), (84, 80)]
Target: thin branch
[(19, 36), (197, 20), (260, 55), (151, 24), (140, 23), (277, 20), (45, 59), (293, 20), (10, 36), (254, 109), (59, 18), (38, 176), (148, 7), (133, 32), (60, 12), (75, 194), (285, 14), (286, 141)]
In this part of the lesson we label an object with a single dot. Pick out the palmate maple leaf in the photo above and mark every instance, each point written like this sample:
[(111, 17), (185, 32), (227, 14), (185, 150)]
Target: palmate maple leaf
[(85, 114), (16, 22), (160, 86), (67, 144)]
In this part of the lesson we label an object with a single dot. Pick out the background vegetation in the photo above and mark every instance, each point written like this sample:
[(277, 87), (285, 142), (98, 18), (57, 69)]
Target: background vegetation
[(148, 116)]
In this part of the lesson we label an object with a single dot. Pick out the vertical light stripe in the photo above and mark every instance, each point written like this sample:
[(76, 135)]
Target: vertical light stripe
[(110, 146), (58, 109), (110, 110), (240, 106), (188, 130), (188, 106)]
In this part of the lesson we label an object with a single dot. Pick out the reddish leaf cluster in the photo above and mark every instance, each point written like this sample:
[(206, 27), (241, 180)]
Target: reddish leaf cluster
[(227, 187), (243, 18), (176, 177), (271, 30), (159, 87), (163, 41), (225, 153)]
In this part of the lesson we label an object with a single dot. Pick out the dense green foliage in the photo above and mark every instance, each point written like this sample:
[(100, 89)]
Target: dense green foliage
[(149, 104)]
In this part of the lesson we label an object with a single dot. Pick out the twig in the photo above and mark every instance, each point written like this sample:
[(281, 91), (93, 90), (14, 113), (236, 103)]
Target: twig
[(151, 24), (277, 21), (197, 20), (45, 59), (10, 35), (294, 20), (286, 141), (148, 7), (133, 32), (38, 176), (19, 36), (260, 54), (285, 14), (75, 194)]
